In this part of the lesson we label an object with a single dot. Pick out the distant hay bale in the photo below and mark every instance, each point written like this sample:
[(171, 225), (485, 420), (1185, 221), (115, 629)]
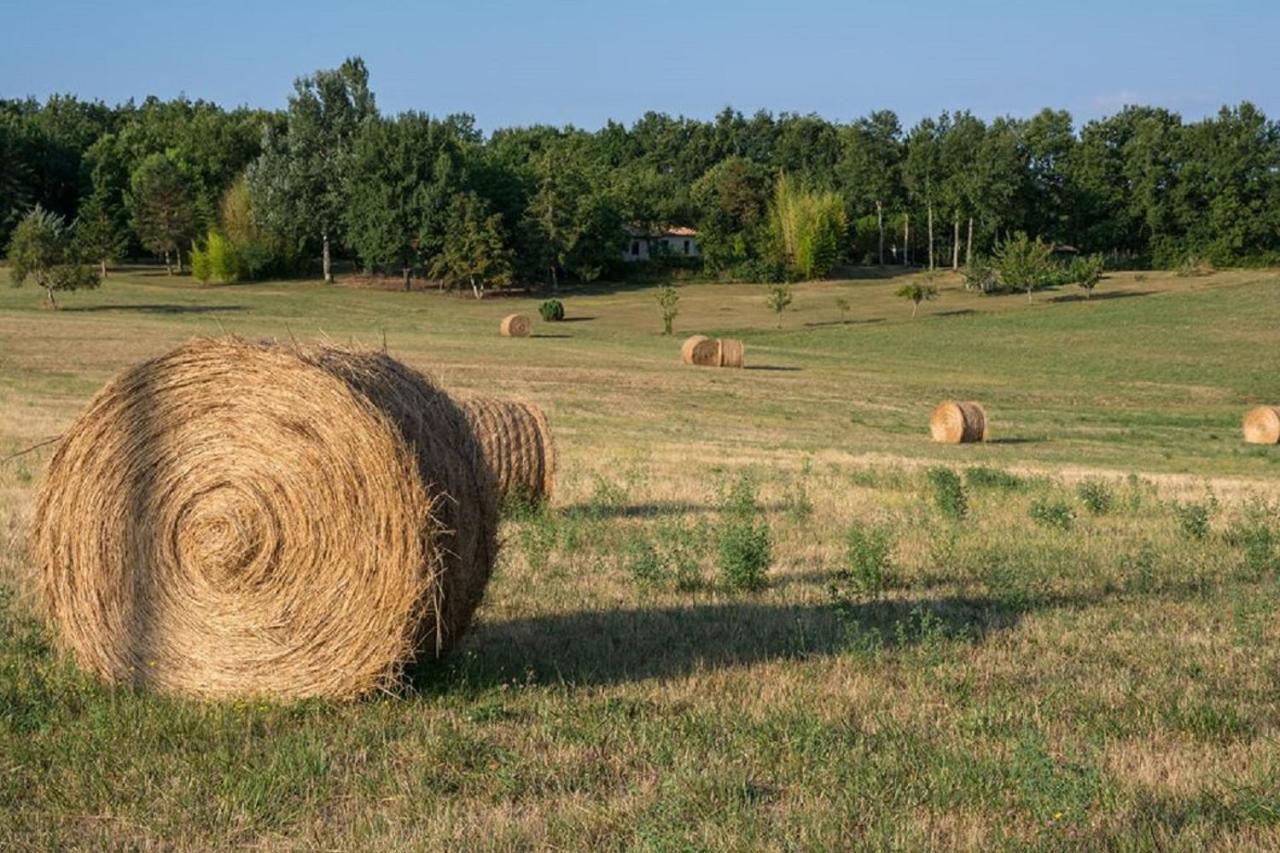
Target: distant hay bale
[(732, 353), (255, 519), (710, 352), (1262, 425), (958, 423), (516, 326), (517, 445)]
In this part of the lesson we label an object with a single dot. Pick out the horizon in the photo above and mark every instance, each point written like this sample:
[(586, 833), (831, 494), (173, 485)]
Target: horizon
[(994, 62)]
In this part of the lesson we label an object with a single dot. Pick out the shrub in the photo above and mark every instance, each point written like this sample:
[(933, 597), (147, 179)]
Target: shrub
[(218, 259), (1193, 266), (1086, 272), (743, 548), (1194, 518), (1257, 538), (1023, 263), (948, 493), (867, 564), (668, 300), (1096, 495), (551, 311), (980, 275), (917, 292), (981, 477), (1052, 513)]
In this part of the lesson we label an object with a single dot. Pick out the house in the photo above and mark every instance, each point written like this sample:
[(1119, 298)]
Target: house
[(675, 241)]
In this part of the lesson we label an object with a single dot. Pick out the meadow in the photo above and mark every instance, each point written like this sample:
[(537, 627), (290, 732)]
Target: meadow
[(1063, 638)]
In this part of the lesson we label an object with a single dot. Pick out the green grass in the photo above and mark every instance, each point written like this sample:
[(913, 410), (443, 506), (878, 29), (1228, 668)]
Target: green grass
[(977, 682)]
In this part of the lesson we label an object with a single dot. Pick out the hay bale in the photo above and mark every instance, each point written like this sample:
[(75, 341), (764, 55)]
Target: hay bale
[(517, 445), (248, 519), (516, 326), (732, 353), (958, 423), (710, 352), (1262, 425)]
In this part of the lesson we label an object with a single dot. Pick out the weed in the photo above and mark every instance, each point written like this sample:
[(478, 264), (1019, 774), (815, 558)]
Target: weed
[(641, 562), (948, 492), (743, 547), (1052, 513), (1194, 517), (538, 535), (982, 477), (1096, 495), (867, 563)]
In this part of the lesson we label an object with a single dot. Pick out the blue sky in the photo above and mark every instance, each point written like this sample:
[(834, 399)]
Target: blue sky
[(576, 62)]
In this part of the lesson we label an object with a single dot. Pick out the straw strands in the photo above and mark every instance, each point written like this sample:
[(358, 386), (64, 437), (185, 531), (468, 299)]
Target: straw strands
[(958, 423), (238, 519), (517, 445)]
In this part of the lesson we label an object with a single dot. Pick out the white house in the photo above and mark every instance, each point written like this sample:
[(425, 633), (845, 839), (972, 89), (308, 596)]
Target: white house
[(676, 241)]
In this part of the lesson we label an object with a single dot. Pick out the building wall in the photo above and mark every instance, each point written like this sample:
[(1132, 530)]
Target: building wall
[(639, 248)]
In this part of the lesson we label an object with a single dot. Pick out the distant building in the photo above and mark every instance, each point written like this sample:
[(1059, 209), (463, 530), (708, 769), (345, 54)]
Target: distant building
[(677, 241)]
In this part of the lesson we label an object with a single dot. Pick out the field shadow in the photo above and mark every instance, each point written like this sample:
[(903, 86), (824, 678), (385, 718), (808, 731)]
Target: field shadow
[(1106, 294), (648, 510), (773, 367), (958, 312), (1014, 440), (606, 647), (575, 319), (812, 324), (165, 308)]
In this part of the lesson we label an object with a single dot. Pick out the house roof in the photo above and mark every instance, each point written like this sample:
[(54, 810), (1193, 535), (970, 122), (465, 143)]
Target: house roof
[(668, 231)]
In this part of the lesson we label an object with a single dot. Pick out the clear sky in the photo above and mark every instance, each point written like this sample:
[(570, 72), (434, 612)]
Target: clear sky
[(582, 63)]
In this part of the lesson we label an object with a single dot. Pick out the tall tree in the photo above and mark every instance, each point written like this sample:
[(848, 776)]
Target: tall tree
[(869, 171), (301, 182), (162, 204), (404, 174), (41, 249), (475, 250), (922, 167)]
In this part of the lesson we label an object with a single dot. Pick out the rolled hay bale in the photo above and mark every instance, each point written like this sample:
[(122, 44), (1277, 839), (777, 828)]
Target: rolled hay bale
[(958, 423), (732, 353), (515, 326), (1262, 425), (517, 444), (254, 519), (698, 349)]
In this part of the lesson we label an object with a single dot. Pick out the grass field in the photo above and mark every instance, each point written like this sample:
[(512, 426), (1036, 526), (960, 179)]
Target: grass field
[(1089, 656)]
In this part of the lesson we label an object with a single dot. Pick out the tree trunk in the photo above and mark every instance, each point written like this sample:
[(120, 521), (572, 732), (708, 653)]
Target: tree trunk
[(955, 244), (53, 303), (915, 306), (555, 284), (880, 223), (168, 264), (906, 239), (475, 291), (408, 274), (931, 235), (968, 248), (178, 254), (326, 261), (103, 264)]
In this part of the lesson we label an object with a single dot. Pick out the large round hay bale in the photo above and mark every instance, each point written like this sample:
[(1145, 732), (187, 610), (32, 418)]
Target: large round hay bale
[(253, 519), (732, 353), (515, 326), (517, 445), (958, 423), (1262, 425), (697, 347)]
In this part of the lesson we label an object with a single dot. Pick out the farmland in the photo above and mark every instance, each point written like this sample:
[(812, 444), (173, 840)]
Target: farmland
[(1087, 655)]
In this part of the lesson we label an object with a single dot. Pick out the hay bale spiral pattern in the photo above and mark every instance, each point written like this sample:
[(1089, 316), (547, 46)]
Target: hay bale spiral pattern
[(1262, 425), (253, 519), (958, 423), (516, 326), (517, 445), (711, 352)]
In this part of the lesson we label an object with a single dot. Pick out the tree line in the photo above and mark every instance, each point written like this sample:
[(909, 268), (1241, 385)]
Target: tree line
[(249, 193)]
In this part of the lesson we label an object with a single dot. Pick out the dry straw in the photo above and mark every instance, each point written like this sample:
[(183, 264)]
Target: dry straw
[(958, 423), (517, 444), (709, 352), (1262, 425), (240, 519), (516, 326)]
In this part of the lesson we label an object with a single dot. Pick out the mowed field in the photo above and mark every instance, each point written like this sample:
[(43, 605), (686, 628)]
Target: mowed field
[(1089, 657)]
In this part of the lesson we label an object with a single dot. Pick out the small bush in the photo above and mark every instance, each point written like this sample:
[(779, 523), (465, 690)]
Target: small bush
[(1257, 538), (1096, 495), (980, 275), (641, 562), (681, 548), (948, 493), (1193, 266), (1194, 518), (743, 547), (866, 555), (551, 311), (982, 477), (1052, 513), (1086, 272), (1024, 264)]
